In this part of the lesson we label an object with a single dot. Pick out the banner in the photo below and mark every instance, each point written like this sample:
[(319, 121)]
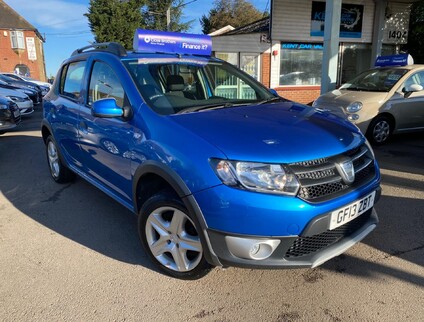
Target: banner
[(350, 20), (172, 42)]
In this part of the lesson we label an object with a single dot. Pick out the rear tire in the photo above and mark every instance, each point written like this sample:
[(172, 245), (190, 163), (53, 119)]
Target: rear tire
[(59, 172), (171, 237), (380, 130)]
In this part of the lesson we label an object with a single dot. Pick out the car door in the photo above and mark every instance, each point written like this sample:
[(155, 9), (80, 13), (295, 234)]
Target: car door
[(105, 141), (64, 110), (409, 111)]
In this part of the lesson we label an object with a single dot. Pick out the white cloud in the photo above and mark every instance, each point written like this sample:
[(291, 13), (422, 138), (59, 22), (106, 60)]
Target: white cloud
[(52, 14)]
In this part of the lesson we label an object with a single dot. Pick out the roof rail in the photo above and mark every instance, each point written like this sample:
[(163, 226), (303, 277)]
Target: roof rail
[(111, 47)]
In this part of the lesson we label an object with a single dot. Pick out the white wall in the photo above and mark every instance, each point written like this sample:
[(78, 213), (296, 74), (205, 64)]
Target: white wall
[(247, 43)]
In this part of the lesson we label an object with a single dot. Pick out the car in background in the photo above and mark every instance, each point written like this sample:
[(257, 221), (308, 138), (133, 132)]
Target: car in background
[(10, 116), (381, 101), (36, 97), (45, 87), (17, 95)]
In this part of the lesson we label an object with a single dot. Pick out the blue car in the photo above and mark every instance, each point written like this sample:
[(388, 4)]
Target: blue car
[(220, 170)]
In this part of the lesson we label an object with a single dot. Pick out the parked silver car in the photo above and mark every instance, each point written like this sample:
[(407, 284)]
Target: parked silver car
[(17, 95), (381, 101)]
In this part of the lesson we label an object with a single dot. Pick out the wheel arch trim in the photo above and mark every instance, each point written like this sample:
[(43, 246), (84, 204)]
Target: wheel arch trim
[(179, 186)]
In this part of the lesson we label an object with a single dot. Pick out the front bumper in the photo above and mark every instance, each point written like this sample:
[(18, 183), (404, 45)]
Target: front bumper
[(26, 107), (312, 248)]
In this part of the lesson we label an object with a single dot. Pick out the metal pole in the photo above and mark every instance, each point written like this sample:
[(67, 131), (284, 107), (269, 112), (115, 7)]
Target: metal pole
[(333, 10), (168, 18)]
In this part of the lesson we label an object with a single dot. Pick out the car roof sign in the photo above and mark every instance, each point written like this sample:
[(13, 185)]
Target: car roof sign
[(394, 60), (172, 42)]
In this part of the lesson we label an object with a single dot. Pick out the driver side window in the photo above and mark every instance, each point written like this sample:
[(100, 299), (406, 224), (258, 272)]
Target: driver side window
[(105, 84), (415, 79)]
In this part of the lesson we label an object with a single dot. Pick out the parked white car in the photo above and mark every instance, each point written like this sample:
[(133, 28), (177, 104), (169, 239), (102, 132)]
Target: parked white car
[(25, 104), (382, 101)]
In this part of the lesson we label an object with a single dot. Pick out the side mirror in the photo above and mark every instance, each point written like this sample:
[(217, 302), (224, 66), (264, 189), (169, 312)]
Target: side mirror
[(273, 92), (106, 108), (412, 89)]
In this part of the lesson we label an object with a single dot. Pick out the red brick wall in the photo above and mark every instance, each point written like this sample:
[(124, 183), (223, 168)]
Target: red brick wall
[(301, 94), (266, 69), (9, 57)]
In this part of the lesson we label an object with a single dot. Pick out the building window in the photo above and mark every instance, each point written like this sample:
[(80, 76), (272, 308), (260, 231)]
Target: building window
[(17, 39), (300, 64), (249, 63), (22, 70), (355, 59), (231, 58)]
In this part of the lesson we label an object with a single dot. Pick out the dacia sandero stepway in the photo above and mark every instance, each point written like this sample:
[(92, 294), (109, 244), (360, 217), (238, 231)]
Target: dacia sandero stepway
[(220, 170)]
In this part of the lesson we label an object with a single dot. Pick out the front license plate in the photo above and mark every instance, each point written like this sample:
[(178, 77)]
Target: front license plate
[(351, 211)]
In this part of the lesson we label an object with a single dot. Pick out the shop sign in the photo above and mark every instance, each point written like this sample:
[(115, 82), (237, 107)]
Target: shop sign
[(302, 46), (32, 53), (350, 20)]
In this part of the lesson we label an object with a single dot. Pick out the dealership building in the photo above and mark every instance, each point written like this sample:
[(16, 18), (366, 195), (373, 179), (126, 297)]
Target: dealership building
[(291, 51)]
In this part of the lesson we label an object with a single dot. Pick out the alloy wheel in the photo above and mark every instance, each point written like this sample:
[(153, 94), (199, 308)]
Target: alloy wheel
[(381, 131), (173, 239), (53, 158)]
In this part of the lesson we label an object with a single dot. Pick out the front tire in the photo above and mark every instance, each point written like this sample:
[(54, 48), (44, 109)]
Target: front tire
[(59, 172), (380, 130), (171, 238)]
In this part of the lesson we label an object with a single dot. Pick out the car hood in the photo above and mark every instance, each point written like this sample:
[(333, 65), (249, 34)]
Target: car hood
[(279, 132), (11, 92), (343, 97)]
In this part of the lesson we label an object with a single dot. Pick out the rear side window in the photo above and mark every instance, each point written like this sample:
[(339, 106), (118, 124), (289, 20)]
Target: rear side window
[(71, 80)]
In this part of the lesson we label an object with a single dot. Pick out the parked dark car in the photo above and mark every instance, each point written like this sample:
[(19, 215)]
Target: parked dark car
[(45, 87), (36, 96), (10, 116)]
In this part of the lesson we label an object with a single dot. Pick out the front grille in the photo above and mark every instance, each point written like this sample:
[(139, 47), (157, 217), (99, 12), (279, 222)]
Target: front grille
[(303, 246), (320, 180)]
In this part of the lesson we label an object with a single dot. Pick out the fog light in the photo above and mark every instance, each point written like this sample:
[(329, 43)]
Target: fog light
[(256, 249), (353, 117)]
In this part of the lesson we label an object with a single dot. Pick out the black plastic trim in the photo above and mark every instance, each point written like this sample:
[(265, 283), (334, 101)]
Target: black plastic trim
[(277, 259)]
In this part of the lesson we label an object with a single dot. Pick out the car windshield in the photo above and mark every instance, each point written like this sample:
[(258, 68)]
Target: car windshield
[(375, 80), (181, 85)]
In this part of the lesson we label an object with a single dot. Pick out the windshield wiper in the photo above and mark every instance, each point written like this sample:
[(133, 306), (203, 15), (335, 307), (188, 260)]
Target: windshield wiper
[(207, 107), (271, 99)]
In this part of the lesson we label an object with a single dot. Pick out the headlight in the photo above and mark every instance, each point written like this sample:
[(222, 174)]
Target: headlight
[(354, 107), (17, 99), (262, 177)]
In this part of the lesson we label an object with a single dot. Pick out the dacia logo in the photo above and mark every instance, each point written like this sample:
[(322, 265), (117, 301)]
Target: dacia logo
[(346, 170)]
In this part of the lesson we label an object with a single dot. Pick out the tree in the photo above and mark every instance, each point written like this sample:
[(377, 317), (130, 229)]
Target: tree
[(115, 20), (155, 15), (236, 13), (415, 44)]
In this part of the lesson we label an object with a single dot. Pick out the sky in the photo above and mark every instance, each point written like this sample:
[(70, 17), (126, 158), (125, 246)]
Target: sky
[(65, 28)]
